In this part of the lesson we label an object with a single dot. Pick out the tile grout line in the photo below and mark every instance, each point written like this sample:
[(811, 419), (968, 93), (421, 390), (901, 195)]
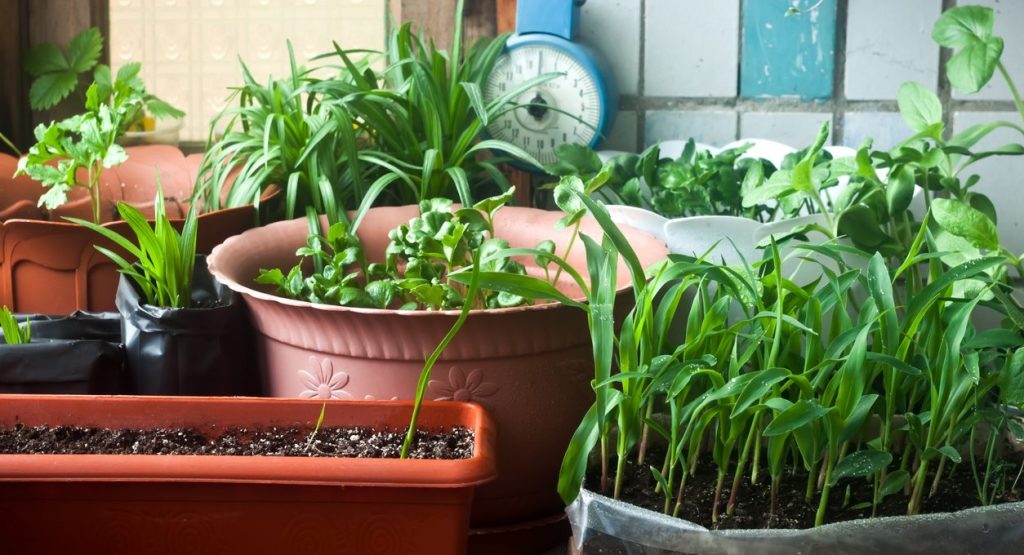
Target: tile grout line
[(739, 64), (641, 114), (942, 87), (839, 73)]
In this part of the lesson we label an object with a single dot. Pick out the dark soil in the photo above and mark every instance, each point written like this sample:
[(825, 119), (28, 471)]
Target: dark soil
[(289, 442), (956, 492)]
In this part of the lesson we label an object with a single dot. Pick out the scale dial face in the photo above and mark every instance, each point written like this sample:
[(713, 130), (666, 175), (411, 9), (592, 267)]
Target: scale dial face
[(535, 127)]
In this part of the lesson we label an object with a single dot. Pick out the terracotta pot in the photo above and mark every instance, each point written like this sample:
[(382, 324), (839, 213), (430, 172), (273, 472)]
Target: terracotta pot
[(222, 504), (529, 366), (51, 267)]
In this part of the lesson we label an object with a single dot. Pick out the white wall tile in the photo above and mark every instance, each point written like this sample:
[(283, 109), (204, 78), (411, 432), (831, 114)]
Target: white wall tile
[(888, 43), (690, 48), (1009, 21), (1001, 176), (189, 50), (887, 129), (623, 134), (612, 28), (796, 129), (711, 127)]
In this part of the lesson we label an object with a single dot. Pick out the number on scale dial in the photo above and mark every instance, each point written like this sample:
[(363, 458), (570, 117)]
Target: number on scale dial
[(537, 128)]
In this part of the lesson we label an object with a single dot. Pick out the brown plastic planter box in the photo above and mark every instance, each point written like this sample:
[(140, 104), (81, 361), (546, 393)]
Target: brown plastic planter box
[(214, 504)]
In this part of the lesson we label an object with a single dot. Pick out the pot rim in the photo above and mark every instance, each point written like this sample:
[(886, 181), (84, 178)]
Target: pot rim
[(213, 259), (326, 471)]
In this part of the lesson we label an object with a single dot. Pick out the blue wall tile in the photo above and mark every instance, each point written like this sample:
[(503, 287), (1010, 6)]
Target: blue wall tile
[(787, 55)]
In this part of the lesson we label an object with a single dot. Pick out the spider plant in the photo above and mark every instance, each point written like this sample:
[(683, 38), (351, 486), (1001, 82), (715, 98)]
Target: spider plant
[(165, 258), (14, 333), (411, 132)]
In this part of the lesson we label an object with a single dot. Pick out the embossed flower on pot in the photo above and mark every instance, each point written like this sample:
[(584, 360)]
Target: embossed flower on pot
[(461, 386), (322, 381)]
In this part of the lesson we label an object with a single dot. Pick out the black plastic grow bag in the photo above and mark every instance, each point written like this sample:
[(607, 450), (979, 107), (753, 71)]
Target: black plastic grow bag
[(75, 354), (188, 351)]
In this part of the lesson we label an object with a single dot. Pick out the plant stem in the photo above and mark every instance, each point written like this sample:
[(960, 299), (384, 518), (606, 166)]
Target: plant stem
[(914, 507), (819, 516), (718, 493), (775, 495), (812, 482), (679, 495), (94, 194), (756, 465), (620, 467), (642, 454), (1013, 89), (741, 464), (604, 463), (568, 249)]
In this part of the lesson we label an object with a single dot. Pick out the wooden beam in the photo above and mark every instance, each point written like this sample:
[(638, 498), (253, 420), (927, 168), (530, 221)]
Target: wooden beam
[(15, 122), (58, 21), (436, 18)]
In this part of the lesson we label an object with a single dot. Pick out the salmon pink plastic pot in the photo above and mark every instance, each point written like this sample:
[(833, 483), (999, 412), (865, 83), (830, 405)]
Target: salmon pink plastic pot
[(530, 366), (224, 504)]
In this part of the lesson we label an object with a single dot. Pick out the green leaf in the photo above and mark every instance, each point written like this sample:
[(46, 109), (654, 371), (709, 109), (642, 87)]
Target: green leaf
[(962, 220), (84, 50), (919, 107), (893, 482), (758, 387), (797, 416), (899, 192), (972, 68), (45, 58), (1011, 382), (50, 89), (862, 463), (160, 109), (963, 25)]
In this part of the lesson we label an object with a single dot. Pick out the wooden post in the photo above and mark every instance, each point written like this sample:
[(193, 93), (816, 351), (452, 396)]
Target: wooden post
[(436, 18), (24, 24)]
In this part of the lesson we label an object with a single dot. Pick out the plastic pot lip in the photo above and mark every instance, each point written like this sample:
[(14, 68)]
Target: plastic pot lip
[(307, 471), (764, 532), (251, 293)]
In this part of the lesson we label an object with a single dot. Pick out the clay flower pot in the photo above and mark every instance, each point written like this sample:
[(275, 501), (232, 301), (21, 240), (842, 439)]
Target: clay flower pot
[(223, 504), (51, 267), (530, 367)]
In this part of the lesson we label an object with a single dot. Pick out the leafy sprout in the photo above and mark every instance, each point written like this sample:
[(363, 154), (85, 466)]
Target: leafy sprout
[(164, 258), (14, 333)]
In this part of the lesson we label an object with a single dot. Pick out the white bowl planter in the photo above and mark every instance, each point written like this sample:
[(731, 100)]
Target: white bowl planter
[(735, 238)]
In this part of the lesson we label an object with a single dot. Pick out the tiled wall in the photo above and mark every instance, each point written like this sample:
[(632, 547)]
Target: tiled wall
[(189, 49), (719, 70)]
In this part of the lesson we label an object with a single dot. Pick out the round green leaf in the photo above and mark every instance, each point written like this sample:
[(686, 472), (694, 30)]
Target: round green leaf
[(961, 220)]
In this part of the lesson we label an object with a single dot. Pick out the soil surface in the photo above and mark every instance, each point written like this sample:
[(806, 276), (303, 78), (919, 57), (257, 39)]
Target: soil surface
[(956, 491), (456, 443)]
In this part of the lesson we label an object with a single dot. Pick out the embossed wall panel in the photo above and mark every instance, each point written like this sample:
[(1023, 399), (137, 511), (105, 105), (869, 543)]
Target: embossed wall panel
[(189, 49)]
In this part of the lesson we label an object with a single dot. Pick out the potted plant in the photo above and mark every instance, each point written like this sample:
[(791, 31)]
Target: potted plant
[(300, 471), (709, 201), (78, 169), (412, 131), (347, 336), (772, 420), (183, 333), (78, 353), (59, 75)]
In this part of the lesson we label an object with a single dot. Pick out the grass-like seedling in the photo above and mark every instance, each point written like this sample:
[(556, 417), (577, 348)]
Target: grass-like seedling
[(164, 258), (15, 333)]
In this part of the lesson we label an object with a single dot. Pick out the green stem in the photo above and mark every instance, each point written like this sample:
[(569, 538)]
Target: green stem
[(812, 482), (568, 249), (819, 516), (741, 464), (718, 493), (1013, 89), (642, 454), (421, 387), (620, 468), (914, 507), (10, 145)]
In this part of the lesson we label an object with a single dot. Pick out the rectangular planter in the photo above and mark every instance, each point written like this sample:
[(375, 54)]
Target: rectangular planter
[(207, 504)]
